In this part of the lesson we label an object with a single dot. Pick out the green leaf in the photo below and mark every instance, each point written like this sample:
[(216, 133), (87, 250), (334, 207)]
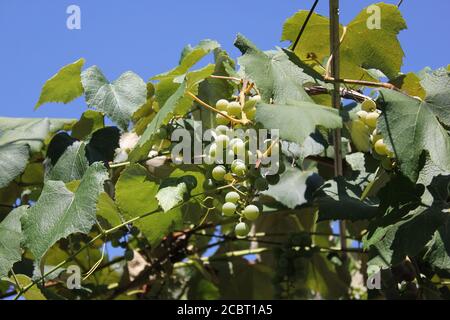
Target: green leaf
[(64, 86), (340, 200), (298, 120), (274, 74), (89, 122), (10, 239), (177, 104), (31, 131), (135, 196), (437, 87), (361, 48), (118, 100), (108, 210), (189, 57), (13, 161), (171, 196), (211, 90), (34, 293), (410, 122), (72, 165), (291, 190), (408, 210), (59, 212)]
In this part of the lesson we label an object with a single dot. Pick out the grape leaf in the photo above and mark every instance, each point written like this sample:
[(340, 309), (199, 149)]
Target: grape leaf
[(10, 239), (118, 100), (296, 121), (171, 196), (64, 86), (31, 131), (437, 87), (189, 57), (135, 196), (407, 122), (59, 212), (274, 74), (72, 165), (361, 47), (177, 104), (291, 190), (89, 122), (13, 161)]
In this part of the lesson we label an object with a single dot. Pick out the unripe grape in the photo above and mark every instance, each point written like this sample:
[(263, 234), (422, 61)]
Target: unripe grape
[(251, 102), (242, 229), (218, 173), (371, 119), (213, 148), (251, 212), (362, 114), (239, 147), (221, 120), (222, 105), (222, 141), (234, 108), (222, 129), (369, 106), (381, 148), (232, 197), (387, 165), (261, 184), (228, 209), (251, 113), (239, 168)]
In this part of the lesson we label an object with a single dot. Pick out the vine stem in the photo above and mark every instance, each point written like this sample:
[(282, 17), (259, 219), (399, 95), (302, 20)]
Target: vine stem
[(334, 64), (207, 106)]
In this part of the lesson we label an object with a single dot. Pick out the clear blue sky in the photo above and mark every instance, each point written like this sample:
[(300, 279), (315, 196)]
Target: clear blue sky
[(147, 37)]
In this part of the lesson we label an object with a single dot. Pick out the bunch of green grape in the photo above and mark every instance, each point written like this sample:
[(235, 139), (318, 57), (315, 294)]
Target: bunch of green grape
[(368, 117), (248, 179)]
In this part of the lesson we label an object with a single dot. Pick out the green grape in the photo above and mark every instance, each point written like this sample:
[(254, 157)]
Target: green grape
[(371, 119), (242, 229), (369, 106), (232, 197), (273, 179), (238, 146), (251, 212), (261, 184), (362, 114), (221, 120), (381, 148), (387, 165), (212, 152), (218, 173), (228, 209), (251, 113), (222, 141), (251, 102), (239, 169), (129, 255), (222, 105), (222, 129), (360, 135), (234, 108)]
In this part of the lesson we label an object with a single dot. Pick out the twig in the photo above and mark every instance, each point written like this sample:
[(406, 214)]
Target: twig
[(304, 24), (207, 106)]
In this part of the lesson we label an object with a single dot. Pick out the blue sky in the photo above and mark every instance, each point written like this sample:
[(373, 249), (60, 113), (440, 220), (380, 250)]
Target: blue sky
[(148, 36)]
